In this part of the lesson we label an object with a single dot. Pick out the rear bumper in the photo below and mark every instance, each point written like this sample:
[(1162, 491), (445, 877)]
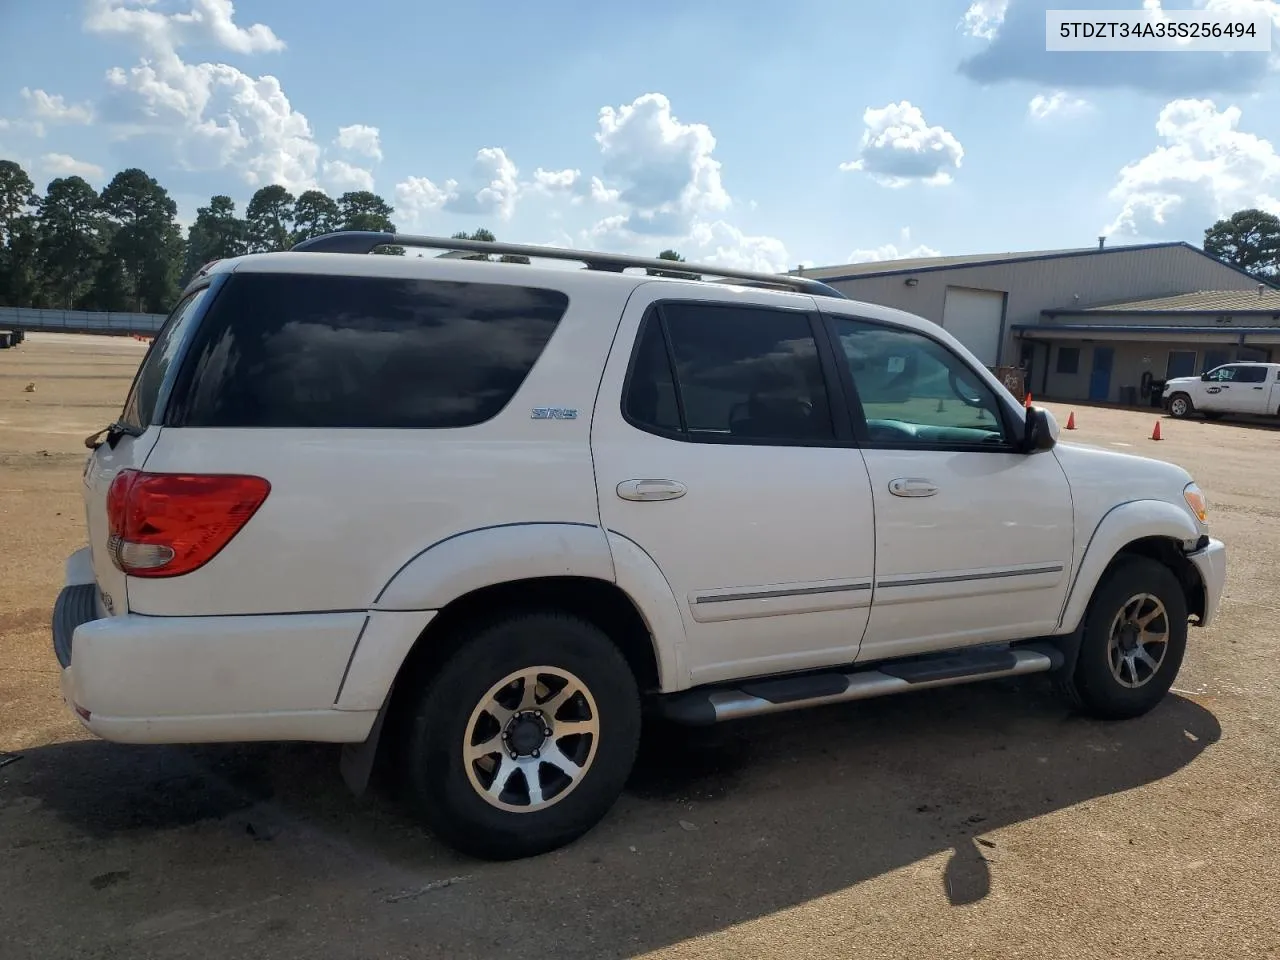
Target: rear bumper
[(1211, 561), (140, 679)]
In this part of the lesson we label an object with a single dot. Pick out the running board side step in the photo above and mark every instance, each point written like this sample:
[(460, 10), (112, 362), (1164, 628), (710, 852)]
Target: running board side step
[(707, 705)]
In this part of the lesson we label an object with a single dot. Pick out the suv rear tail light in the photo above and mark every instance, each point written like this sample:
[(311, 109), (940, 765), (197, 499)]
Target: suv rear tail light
[(168, 524)]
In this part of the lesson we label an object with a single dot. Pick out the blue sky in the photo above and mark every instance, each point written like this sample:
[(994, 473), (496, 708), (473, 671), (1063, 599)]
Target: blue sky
[(757, 133)]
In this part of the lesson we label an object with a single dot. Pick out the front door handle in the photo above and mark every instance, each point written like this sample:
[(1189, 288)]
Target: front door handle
[(912, 487), (651, 489)]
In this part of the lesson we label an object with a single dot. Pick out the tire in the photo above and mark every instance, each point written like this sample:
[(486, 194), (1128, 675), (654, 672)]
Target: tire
[(450, 713), (1180, 406), (1106, 693)]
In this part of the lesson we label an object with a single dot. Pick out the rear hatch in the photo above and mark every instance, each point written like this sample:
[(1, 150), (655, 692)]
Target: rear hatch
[(127, 443)]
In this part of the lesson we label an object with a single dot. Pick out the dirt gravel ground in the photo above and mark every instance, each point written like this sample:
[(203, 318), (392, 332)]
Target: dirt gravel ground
[(980, 821)]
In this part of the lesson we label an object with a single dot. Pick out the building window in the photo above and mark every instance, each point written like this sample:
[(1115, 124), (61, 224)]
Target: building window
[(1214, 359), (1182, 363), (1068, 360)]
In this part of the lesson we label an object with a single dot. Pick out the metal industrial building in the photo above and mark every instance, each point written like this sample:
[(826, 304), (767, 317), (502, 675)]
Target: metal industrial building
[(1083, 324)]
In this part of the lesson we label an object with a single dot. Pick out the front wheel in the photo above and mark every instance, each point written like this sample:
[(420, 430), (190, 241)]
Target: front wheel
[(1134, 637), (1180, 406), (524, 738)]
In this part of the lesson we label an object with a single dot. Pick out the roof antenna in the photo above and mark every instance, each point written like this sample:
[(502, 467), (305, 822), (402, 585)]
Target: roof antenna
[(1102, 242)]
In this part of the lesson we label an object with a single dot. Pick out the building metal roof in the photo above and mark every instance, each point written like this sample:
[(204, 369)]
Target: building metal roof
[(854, 271), (1262, 300), (1031, 330)]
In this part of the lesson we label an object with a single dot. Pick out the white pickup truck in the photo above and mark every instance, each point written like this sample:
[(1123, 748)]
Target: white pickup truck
[(1231, 388)]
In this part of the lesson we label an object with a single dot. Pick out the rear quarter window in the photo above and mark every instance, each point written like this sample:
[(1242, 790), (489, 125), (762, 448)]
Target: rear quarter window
[(299, 350)]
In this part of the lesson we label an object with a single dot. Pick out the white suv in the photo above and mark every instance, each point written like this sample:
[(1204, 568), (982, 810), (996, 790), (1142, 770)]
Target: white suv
[(471, 517)]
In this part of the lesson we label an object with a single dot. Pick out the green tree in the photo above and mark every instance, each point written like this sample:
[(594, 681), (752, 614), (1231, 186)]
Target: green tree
[(486, 236), (1248, 239), (146, 242), (17, 197), (217, 234), (19, 281), (71, 241), (270, 218), (315, 213), (362, 210), (675, 258)]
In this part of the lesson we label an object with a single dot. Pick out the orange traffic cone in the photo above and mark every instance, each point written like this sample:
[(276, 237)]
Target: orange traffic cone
[(1027, 401), (1071, 420), (1155, 434)]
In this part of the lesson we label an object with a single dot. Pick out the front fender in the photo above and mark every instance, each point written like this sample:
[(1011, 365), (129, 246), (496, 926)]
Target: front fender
[(1120, 526)]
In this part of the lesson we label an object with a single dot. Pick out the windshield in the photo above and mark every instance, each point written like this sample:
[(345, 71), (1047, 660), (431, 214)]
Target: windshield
[(140, 405)]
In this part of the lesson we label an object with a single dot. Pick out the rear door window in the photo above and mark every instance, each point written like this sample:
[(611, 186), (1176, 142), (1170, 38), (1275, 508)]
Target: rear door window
[(144, 395), (300, 350), (729, 373)]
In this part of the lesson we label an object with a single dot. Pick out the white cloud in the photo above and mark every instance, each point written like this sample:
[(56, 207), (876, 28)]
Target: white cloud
[(902, 250), (721, 243), (983, 18), (493, 189), (63, 165), (899, 147), (417, 196), (1207, 168), (212, 115), (209, 21), (602, 194), (54, 108), (661, 168), (1057, 103), (341, 176), (1015, 52), (361, 139), (556, 181)]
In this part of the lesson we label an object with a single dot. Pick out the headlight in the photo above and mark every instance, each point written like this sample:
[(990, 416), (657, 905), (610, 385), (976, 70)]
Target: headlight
[(1195, 500)]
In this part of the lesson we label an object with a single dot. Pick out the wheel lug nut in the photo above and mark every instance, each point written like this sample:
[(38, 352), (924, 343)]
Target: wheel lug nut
[(535, 754)]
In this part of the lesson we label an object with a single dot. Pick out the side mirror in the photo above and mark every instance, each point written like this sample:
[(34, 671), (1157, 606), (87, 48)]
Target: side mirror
[(1041, 431), (1204, 377)]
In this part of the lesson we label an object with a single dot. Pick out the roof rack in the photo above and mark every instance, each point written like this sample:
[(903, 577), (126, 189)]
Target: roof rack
[(363, 241)]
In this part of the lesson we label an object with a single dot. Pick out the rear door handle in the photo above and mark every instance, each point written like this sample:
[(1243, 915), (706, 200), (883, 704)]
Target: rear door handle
[(651, 489), (912, 487)]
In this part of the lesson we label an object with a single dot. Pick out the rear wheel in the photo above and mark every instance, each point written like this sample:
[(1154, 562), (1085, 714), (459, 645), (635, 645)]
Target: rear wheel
[(524, 738), (1180, 406), (1134, 638)]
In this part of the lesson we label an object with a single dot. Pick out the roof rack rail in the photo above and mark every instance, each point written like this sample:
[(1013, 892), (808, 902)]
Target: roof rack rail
[(363, 241)]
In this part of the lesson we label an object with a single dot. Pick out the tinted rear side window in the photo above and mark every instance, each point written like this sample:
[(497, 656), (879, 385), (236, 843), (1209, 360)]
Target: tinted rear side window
[(140, 405), (299, 350)]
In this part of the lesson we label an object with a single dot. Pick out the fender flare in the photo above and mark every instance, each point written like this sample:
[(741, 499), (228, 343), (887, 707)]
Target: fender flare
[(458, 565), (1120, 526), (464, 562)]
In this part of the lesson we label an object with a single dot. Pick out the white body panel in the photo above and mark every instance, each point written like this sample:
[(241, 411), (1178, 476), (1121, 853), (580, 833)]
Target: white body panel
[(771, 559), (985, 558), (770, 553)]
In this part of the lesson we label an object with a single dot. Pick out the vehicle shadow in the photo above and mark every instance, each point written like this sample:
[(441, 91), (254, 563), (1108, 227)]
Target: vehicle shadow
[(717, 826)]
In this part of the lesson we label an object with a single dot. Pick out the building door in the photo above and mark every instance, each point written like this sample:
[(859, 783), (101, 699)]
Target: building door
[(974, 317), (1100, 377)]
